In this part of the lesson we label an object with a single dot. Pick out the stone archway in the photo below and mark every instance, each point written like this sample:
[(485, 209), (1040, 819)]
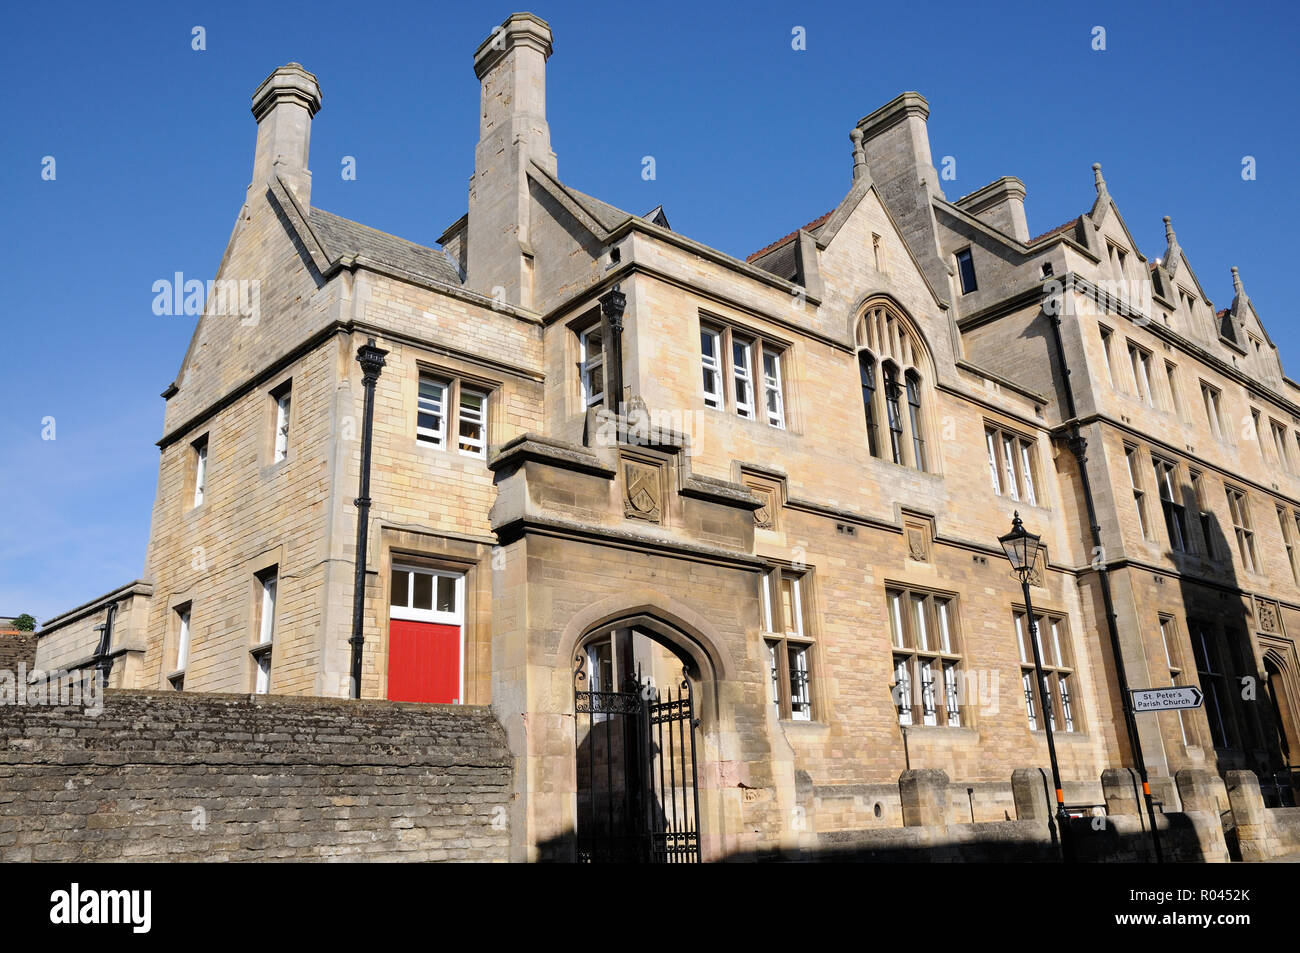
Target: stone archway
[(671, 654)]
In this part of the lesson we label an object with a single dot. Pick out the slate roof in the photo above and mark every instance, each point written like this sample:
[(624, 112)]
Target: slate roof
[(607, 215), (343, 238)]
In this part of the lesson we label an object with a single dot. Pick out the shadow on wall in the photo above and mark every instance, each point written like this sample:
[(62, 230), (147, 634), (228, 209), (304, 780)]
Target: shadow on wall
[(1245, 710), (995, 842)]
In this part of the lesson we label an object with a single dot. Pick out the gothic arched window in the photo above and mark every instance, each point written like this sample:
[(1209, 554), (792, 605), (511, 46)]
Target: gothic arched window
[(914, 418), (893, 410), (867, 371), (893, 364)]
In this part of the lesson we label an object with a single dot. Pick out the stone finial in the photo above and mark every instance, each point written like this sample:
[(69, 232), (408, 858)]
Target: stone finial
[(859, 155), (1097, 178), (283, 106), (1237, 288), (1172, 249)]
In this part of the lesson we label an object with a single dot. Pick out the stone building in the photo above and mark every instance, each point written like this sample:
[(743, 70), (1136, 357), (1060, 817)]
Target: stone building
[(773, 488)]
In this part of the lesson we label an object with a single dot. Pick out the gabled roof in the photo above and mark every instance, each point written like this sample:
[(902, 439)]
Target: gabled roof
[(589, 211), (343, 238), (656, 216), (1055, 231), (810, 227)]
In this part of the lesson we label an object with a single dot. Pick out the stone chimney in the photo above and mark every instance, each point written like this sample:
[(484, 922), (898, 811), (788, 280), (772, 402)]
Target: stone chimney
[(511, 67), (1000, 204), (283, 107), (896, 147), (896, 140)]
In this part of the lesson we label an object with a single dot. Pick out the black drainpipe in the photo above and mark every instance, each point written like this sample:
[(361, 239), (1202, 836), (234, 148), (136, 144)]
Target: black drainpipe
[(371, 359), (1079, 447), (612, 305), (103, 660)]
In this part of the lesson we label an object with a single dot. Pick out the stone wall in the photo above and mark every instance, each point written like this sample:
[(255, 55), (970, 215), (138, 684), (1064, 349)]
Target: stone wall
[(15, 648), (187, 777)]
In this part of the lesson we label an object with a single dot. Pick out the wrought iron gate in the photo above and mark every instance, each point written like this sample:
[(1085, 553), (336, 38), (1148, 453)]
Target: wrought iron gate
[(638, 796)]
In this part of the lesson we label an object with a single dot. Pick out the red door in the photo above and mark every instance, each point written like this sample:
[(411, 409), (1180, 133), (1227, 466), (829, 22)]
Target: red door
[(423, 661)]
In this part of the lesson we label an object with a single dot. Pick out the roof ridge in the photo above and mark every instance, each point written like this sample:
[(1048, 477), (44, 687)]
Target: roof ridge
[(781, 241), (1053, 231)]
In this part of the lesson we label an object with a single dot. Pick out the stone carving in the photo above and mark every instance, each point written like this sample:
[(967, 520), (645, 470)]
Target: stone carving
[(1267, 617), (916, 544), (642, 491), (763, 516)]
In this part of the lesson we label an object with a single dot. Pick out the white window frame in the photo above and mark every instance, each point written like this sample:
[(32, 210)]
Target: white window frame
[(1212, 398), (477, 446), (283, 405), (774, 402), (591, 369), (1134, 464), (183, 639), (270, 584), (1011, 463), (268, 589), (797, 656), (200, 471), (711, 366), (742, 373), (1140, 359), (436, 438)]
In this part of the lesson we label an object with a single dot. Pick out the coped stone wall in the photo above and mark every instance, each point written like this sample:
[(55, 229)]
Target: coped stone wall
[(191, 777)]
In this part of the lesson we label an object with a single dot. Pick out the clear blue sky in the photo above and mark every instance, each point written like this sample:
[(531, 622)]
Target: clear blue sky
[(153, 144)]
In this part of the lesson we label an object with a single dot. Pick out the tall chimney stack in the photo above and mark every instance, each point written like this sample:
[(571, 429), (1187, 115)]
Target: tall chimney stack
[(283, 107), (511, 67)]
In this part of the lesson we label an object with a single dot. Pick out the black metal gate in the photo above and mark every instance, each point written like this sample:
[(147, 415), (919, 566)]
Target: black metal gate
[(638, 796)]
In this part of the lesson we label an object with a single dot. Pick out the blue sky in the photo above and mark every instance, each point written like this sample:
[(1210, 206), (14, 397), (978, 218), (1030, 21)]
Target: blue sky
[(153, 145)]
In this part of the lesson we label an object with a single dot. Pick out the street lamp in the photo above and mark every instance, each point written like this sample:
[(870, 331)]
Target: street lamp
[(1021, 547)]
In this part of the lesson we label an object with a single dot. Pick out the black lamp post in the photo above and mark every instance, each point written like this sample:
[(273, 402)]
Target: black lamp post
[(1021, 547)]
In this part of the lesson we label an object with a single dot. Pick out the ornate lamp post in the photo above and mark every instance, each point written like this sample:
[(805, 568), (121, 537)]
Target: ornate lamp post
[(1021, 547)]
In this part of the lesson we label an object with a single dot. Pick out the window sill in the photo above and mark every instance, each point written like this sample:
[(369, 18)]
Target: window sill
[(425, 446), (1077, 736), (731, 412), (903, 466), (954, 730), (272, 469), (802, 725)]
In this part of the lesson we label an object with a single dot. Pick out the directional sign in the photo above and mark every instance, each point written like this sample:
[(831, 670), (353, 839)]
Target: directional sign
[(1166, 699)]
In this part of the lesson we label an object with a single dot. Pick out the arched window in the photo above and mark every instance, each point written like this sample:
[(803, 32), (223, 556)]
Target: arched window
[(893, 363), (867, 371), (894, 411), (914, 417)]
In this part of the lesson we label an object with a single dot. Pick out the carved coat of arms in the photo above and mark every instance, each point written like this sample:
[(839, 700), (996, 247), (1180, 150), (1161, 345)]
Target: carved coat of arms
[(642, 491)]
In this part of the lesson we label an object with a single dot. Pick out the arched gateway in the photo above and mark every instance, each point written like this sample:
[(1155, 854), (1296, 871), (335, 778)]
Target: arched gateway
[(636, 744)]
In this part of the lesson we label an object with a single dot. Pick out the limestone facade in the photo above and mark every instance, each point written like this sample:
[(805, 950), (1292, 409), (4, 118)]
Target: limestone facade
[(844, 422)]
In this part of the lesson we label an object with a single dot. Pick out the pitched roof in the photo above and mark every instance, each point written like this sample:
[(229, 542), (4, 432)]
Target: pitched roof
[(815, 223), (1054, 231), (345, 238), (605, 214)]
